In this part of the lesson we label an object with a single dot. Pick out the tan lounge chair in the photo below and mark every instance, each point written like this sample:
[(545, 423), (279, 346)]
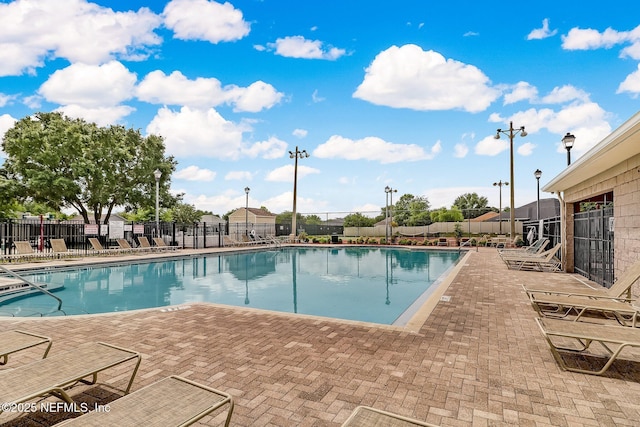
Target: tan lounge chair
[(59, 248), (162, 245), (125, 246), (24, 251), (561, 306), (620, 290), (365, 416), (612, 338), (228, 241), (536, 248), (545, 261), (97, 246), (15, 341), (51, 376), (144, 243), (173, 401)]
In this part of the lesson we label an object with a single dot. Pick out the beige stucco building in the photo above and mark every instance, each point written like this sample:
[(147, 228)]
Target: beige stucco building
[(608, 173), (244, 220)]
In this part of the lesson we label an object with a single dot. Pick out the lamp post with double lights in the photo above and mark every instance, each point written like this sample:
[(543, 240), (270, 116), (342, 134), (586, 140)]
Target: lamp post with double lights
[(296, 155), (538, 174), (511, 133), (157, 175), (500, 184), (246, 211), (389, 192), (568, 141)]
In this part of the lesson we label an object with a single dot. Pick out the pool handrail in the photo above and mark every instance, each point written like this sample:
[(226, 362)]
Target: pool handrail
[(30, 283)]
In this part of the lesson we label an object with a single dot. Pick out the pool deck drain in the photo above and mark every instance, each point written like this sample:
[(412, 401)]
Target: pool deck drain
[(478, 359)]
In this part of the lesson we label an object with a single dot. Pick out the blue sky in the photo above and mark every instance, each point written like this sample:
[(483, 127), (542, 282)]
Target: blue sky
[(406, 94)]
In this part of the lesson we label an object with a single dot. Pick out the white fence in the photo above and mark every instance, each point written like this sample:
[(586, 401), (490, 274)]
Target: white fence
[(467, 227)]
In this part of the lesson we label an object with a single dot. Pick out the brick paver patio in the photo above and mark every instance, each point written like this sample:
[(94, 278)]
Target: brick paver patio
[(479, 359)]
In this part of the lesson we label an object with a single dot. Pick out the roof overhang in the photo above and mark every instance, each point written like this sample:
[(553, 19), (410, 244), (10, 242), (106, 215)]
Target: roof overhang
[(622, 144)]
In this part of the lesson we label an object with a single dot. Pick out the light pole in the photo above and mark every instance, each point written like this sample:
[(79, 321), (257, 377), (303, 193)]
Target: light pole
[(568, 141), (511, 133), (157, 175), (390, 192), (387, 190), (500, 184), (296, 155), (246, 211), (538, 174)]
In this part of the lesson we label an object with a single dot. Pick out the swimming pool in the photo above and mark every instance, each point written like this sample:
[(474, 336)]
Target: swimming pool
[(355, 283)]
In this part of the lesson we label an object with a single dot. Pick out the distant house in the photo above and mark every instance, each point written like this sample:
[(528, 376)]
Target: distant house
[(489, 216), (242, 221), (112, 217)]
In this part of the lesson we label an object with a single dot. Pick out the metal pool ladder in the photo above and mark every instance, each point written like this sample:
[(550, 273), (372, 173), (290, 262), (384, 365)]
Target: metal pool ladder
[(28, 282)]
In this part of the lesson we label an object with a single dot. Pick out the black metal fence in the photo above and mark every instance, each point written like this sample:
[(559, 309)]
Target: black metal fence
[(593, 245), (551, 229)]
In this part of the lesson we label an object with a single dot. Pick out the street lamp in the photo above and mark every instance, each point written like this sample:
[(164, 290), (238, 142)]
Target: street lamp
[(246, 211), (511, 133), (500, 184), (387, 189), (157, 175), (568, 141), (538, 174), (296, 155), (389, 192)]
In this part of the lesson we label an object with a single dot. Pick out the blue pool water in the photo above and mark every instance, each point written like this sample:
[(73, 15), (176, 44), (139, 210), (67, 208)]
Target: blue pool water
[(356, 283)]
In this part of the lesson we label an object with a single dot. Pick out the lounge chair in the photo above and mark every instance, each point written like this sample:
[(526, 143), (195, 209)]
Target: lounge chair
[(59, 248), (612, 338), (97, 246), (24, 251), (51, 376), (620, 290), (561, 306), (536, 248), (172, 401), (162, 245), (144, 243), (545, 261), (15, 341), (125, 246), (365, 416)]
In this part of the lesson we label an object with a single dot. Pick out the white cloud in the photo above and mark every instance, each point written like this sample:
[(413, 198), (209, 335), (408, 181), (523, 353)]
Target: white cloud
[(631, 84), (521, 91), (5, 99), (373, 148), (6, 123), (284, 202), (192, 132), (102, 116), (542, 33), (285, 173), (205, 20), (460, 150), (409, 77), (299, 47), (238, 176), (194, 173), (205, 133), (586, 39), (525, 149), (315, 97), (300, 133), (489, 146), (90, 86), (177, 89), (565, 94), (33, 31)]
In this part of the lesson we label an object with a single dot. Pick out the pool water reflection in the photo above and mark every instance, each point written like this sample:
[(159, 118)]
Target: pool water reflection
[(356, 283)]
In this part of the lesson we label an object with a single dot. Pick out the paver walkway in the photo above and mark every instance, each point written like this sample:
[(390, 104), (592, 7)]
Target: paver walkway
[(479, 359)]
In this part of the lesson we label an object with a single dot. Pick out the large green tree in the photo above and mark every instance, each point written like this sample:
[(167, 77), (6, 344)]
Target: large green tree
[(66, 162), (472, 205), (358, 220), (410, 210)]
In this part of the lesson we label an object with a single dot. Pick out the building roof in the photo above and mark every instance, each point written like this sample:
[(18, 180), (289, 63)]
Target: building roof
[(622, 144), (485, 217)]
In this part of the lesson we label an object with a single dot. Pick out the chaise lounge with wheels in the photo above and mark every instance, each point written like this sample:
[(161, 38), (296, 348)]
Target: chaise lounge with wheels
[(17, 340), (544, 261), (172, 401), (620, 290), (612, 338), (55, 374)]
